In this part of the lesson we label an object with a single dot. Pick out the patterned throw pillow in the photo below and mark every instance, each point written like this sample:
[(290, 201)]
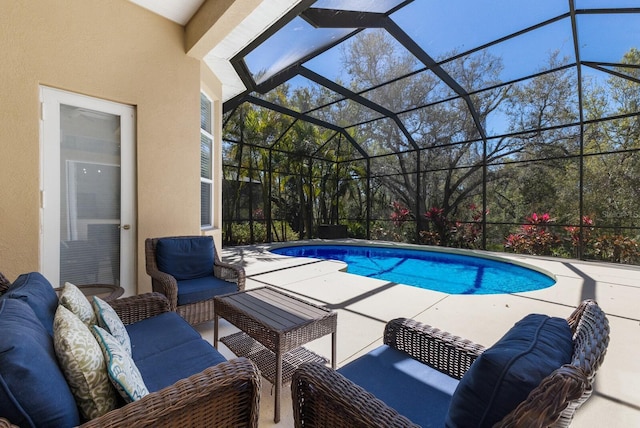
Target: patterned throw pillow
[(109, 320), (122, 370), (73, 299), (83, 365)]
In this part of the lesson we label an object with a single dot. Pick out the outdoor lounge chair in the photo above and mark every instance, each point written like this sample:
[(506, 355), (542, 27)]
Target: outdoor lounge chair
[(188, 270), (412, 350)]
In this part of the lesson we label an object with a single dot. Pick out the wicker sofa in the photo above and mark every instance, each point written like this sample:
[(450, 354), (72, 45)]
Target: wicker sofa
[(188, 270), (421, 377), (189, 382)]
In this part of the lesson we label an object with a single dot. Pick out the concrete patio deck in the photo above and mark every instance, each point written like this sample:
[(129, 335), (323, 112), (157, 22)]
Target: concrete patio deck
[(364, 305)]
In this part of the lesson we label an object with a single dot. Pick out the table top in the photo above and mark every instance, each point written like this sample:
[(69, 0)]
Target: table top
[(106, 292), (272, 308)]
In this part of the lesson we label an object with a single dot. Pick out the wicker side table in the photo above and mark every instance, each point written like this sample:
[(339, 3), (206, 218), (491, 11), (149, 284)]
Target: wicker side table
[(274, 326)]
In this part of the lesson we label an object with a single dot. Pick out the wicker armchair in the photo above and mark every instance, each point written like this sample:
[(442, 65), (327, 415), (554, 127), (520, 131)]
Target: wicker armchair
[(323, 397), (195, 312)]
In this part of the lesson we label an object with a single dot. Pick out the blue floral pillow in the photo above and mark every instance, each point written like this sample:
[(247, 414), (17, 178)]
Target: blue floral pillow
[(122, 370), (109, 320)]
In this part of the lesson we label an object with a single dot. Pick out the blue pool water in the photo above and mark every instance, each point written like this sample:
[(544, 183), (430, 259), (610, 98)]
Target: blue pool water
[(433, 270)]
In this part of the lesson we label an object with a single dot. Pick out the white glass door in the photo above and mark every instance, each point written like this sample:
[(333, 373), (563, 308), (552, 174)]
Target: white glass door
[(88, 234)]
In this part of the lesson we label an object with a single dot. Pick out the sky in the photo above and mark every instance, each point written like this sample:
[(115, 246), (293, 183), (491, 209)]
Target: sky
[(441, 27)]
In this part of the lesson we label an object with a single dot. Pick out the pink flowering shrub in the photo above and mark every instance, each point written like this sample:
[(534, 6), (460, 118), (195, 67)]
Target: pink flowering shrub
[(400, 214), (469, 235), (534, 238), (574, 233), (440, 229), (258, 214), (437, 217)]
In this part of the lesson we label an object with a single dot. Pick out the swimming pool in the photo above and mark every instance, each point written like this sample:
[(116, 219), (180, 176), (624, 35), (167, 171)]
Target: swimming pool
[(434, 270)]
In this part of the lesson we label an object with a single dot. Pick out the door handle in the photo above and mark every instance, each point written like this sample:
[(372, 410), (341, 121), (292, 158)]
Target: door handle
[(125, 227)]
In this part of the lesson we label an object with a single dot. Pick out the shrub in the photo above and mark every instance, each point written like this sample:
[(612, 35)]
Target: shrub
[(534, 238), (587, 231), (469, 235), (617, 249), (356, 229), (430, 238), (241, 233), (400, 214), (443, 229)]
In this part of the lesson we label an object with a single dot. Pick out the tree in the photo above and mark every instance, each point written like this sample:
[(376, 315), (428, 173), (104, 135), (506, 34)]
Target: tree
[(614, 146), (541, 172), (450, 170)]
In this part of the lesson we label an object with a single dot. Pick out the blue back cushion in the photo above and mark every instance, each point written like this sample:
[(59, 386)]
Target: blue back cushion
[(504, 375), (33, 390), (185, 258), (36, 291)]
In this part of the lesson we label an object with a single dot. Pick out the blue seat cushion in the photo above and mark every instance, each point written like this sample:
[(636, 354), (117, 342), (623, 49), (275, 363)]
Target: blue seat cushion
[(167, 367), (158, 334), (205, 288), (185, 257), (413, 389), (504, 375), (36, 291), (33, 390)]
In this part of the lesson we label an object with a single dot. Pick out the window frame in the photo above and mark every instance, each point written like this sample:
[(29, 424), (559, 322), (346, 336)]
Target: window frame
[(204, 180)]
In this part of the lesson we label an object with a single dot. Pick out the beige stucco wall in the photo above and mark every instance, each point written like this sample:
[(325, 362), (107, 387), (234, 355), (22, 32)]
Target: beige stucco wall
[(108, 49)]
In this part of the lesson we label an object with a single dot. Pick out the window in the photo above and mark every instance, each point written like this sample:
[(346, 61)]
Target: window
[(206, 157)]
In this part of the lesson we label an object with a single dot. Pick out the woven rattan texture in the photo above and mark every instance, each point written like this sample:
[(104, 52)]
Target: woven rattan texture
[(225, 395), (166, 284), (284, 340), (244, 345)]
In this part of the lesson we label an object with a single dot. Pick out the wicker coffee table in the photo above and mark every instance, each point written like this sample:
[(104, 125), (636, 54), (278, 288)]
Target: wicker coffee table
[(274, 326)]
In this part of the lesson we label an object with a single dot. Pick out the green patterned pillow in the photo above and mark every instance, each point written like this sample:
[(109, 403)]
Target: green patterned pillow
[(83, 365), (109, 320), (121, 368), (72, 298)]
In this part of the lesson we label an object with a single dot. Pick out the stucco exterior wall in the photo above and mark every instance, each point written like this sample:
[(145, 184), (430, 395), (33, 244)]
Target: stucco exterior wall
[(113, 50)]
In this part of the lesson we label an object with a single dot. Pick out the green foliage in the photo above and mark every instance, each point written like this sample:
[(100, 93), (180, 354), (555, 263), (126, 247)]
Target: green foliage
[(534, 238), (241, 233), (469, 234), (356, 229), (386, 231), (617, 249), (308, 175)]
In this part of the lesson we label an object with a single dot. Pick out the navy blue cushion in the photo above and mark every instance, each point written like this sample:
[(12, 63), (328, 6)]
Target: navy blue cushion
[(157, 334), (33, 390), (504, 375), (185, 258), (167, 367), (206, 288), (413, 389), (38, 293)]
